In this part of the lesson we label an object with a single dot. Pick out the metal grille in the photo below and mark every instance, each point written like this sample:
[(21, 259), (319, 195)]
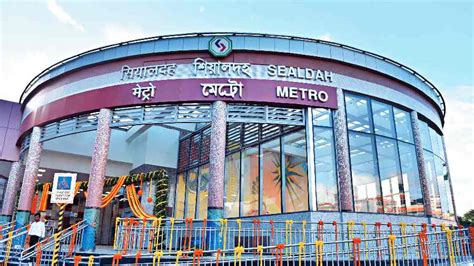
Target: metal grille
[(70, 126), (233, 137), (155, 114), (265, 114), (206, 143), (25, 144), (183, 159)]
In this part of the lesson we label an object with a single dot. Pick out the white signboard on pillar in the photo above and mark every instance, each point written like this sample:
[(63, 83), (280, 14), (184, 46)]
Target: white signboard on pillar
[(63, 188)]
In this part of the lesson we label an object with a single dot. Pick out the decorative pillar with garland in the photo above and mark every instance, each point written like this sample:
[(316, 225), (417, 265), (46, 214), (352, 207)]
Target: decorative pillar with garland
[(96, 178), (215, 209), (29, 179)]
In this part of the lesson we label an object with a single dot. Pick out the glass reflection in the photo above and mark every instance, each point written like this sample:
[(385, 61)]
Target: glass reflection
[(441, 175), (358, 114), (322, 117), (390, 176), (432, 184), (296, 177), (250, 182), (411, 179), (191, 188), (403, 125), (383, 119), (365, 179), (203, 191), (425, 135), (271, 189), (325, 165), (180, 190), (232, 185)]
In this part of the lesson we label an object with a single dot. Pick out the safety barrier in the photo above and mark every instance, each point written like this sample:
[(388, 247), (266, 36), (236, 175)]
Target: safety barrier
[(5, 228), (441, 247), (187, 234), (43, 252), (9, 244)]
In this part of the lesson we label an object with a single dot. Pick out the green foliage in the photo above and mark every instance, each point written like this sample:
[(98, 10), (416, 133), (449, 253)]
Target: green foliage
[(161, 193), (467, 219)]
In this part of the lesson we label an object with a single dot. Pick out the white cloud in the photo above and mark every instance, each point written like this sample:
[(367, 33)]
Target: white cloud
[(202, 9), (16, 71), (62, 15), (325, 37), (114, 33), (459, 137)]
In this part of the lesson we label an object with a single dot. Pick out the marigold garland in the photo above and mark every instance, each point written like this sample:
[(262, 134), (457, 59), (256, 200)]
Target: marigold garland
[(161, 187), (44, 197)]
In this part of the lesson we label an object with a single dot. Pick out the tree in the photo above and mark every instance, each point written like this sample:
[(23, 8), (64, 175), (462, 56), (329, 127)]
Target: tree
[(467, 219)]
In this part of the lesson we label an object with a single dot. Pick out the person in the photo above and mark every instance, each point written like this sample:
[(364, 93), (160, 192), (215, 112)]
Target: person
[(37, 230)]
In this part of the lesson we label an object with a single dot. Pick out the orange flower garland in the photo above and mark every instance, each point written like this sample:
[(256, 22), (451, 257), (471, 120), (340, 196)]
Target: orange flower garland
[(44, 197), (135, 204)]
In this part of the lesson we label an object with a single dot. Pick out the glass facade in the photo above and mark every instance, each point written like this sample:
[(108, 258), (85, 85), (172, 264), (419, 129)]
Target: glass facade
[(256, 180), (295, 176), (266, 169), (232, 185), (437, 172), (385, 174), (325, 161)]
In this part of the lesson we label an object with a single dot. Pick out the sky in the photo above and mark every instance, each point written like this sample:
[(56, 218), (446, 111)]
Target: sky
[(434, 38)]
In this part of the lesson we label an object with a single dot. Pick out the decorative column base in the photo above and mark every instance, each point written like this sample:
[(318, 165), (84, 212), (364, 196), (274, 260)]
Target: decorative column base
[(22, 219), (91, 218), (4, 219), (214, 215)]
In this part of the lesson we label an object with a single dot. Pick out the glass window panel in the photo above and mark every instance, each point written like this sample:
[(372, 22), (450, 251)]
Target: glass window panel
[(383, 119), (271, 182), (232, 185), (358, 114), (437, 143), (435, 138), (195, 149), (250, 182), (449, 197), (180, 190), (441, 175), (425, 135), (411, 179), (442, 152), (390, 175), (203, 191), (325, 164), (365, 179), (296, 169), (432, 184), (403, 125), (322, 117), (191, 188)]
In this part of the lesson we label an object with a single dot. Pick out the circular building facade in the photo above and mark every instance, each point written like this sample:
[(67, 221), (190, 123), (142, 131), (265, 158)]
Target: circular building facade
[(246, 125)]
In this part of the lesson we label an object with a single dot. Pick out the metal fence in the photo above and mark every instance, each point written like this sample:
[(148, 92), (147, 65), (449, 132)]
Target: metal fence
[(175, 235), (14, 249), (446, 247)]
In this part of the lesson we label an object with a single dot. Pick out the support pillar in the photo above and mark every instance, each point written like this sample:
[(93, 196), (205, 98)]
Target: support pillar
[(342, 155), (11, 191), (310, 159), (96, 179), (215, 209), (29, 179), (420, 159)]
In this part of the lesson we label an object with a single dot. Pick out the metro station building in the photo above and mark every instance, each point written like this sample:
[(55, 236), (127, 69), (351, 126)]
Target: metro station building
[(245, 125)]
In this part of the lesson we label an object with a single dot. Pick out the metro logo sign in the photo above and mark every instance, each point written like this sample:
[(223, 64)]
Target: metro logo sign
[(220, 46)]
